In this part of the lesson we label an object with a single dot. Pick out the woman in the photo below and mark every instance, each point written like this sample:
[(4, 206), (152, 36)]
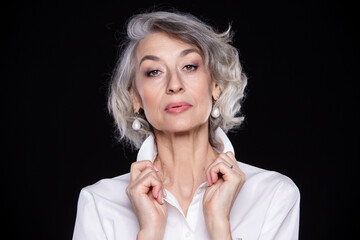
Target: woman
[(176, 91)]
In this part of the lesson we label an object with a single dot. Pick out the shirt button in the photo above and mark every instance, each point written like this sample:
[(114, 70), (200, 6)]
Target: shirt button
[(187, 234)]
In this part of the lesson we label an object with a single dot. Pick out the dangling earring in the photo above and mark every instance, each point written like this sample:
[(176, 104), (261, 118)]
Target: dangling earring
[(136, 125), (215, 113)]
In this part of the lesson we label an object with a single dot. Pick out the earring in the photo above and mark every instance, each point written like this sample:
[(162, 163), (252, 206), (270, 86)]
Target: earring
[(215, 113), (136, 125)]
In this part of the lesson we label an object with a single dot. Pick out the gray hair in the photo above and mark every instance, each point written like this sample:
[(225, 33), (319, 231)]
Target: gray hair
[(221, 58)]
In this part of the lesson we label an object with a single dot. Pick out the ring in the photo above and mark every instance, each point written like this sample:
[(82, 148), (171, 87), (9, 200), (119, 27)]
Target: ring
[(231, 166)]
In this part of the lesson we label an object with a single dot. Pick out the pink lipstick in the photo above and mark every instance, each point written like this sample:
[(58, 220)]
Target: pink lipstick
[(177, 107)]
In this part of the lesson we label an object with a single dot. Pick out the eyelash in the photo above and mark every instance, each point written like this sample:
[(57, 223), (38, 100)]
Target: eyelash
[(193, 67), (154, 73), (150, 73)]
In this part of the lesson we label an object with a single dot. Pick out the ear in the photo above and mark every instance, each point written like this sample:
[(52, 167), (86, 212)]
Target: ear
[(135, 99), (216, 91)]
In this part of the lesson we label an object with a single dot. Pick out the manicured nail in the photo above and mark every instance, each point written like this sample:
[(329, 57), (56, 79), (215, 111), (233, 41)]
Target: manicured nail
[(155, 168)]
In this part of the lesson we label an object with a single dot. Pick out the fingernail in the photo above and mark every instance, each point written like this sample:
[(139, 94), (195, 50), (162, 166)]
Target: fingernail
[(164, 192), (162, 199), (208, 181), (155, 168)]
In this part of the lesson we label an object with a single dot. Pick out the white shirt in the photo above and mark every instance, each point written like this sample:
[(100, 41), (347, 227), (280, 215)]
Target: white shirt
[(267, 207)]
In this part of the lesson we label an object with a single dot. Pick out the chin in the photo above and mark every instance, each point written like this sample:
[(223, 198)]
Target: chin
[(182, 126)]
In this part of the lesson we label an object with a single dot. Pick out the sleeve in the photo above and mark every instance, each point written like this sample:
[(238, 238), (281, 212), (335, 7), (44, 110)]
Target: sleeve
[(87, 225), (282, 217)]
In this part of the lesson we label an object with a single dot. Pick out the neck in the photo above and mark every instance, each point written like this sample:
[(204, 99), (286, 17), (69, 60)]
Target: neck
[(183, 158)]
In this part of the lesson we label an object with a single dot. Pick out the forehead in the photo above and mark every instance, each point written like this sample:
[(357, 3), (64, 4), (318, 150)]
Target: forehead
[(159, 42)]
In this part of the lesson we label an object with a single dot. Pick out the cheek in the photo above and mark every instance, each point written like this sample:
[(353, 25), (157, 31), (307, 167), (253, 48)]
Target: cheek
[(148, 99), (147, 93), (151, 102), (203, 91), (202, 94), (205, 99)]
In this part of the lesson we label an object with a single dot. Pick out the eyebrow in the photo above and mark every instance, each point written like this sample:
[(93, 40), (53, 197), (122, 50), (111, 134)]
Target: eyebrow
[(149, 57), (190, 50), (182, 54)]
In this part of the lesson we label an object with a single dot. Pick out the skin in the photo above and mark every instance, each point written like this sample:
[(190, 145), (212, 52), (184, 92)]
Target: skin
[(167, 71)]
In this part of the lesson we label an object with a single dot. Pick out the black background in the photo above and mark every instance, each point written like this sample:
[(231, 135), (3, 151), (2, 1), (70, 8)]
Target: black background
[(57, 137)]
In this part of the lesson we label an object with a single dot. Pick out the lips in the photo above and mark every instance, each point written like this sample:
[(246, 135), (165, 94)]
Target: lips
[(177, 107)]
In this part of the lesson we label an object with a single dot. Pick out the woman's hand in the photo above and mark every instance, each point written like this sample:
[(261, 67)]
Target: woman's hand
[(146, 193), (225, 180)]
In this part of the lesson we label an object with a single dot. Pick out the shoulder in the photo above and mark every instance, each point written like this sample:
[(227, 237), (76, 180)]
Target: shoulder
[(104, 209), (269, 183), (268, 203), (109, 189)]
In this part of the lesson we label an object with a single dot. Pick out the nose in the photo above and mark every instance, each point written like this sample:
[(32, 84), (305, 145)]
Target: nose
[(175, 84)]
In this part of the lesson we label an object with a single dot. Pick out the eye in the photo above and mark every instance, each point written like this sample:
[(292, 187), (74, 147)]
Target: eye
[(153, 73), (190, 67)]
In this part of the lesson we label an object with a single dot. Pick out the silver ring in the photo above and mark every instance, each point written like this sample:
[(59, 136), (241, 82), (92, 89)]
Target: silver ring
[(231, 166)]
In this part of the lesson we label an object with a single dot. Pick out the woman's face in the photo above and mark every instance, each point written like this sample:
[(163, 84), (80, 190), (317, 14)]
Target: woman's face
[(174, 86)]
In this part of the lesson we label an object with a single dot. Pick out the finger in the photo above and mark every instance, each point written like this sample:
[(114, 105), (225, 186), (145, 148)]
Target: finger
[(231, 160), (220, 167), (231, 156), (225, 157), (221, 158), (238, 177), (149, 178), (137, 167), (161, 195), (149, 184), (156, 185)]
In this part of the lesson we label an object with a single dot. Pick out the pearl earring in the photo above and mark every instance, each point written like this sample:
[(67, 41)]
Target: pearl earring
[(215, 113), (136, 125)]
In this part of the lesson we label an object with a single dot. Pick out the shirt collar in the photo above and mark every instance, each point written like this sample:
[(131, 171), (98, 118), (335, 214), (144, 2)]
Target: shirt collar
[(148, 150)]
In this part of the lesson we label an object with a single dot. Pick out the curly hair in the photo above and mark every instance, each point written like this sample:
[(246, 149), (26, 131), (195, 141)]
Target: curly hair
[(221, 58)]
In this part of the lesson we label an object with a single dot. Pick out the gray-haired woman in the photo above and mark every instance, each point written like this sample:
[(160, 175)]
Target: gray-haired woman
[(175, 92)]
